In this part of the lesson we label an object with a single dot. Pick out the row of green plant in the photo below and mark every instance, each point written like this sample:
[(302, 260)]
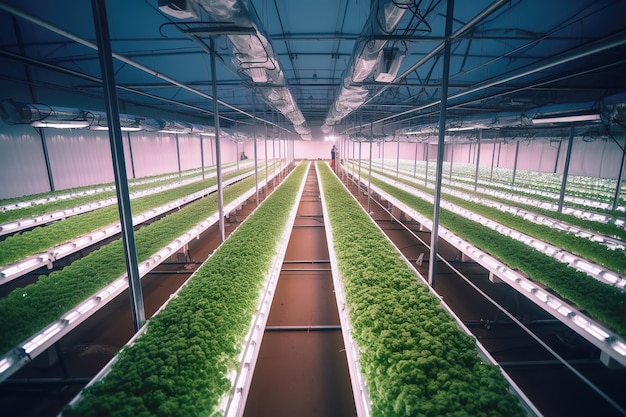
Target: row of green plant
[(547, 181), (609, 229), (40, 238), (591, 250), (603, 303), (179, 366), (82, 195), (531, 193), (27, 310), (465, 174), (415, 358)]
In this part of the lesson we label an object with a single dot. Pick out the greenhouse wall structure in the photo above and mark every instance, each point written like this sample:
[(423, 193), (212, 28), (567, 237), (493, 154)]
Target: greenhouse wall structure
[(483, 142)]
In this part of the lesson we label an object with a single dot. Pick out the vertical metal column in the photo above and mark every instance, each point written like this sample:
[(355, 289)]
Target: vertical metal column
[(499, 153), (515, 162), (218, 152), (178, 155), (359, 183), (570, 144), (119, 165), (398, 158), (266, 161), (415, 160), (256, 159), (46, 157), (274, 159), (493, 158), (451, 161), (620, 178), (130, 153), (556, 160), (369, 178), (480, 135), (426, 158), (280, 158), (42, 134), (383, 157), (434, 233), (202, 154), (237, 153)]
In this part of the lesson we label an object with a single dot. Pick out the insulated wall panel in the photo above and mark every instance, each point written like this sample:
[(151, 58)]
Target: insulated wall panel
[(538, 155), (189, 147), (79, 157), (598, 158), (22, 164), (154, 153)]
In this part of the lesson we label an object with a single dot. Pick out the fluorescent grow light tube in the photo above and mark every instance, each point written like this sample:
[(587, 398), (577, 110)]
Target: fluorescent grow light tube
[(567, 119), (61, 124)]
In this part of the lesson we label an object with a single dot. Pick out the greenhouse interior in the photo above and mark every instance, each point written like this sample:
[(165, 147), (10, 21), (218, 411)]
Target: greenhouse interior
[(324, 208)]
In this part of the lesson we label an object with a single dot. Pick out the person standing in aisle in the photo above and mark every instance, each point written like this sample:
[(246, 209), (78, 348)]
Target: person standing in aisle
[(333, 153)]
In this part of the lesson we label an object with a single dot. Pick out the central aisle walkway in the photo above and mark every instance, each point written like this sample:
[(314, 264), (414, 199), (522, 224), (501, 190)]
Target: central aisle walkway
[(301, 369)]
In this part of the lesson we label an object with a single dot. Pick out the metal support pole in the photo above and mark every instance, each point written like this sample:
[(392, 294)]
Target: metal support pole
[(265, 141), (515, 162), (570, 144), (130, 153), (451, 161), (398, 159), (237, 153), (353, 151), (178, 155), (383, 158), (359, 183), (119, 165), (274, 158), (202, 154), (426, 158), (256, 161), (556, 160), (434, 233), (415, 160), (480, 135), (493, 158), (369, 178), (499, 153), (46, 157), (218, 151), (280, 158), (620, 179)]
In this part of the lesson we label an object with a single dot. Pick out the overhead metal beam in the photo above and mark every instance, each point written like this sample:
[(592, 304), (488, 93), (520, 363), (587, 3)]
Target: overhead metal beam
[(126, 60)]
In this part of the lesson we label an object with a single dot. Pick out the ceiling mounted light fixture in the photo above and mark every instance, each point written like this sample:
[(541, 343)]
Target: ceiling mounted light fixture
[(61, 124), (567, 119)]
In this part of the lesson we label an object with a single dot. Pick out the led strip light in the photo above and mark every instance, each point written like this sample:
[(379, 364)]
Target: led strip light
[(601, 337), (595, 271), (25, 223), (15, 270), (14, 359)]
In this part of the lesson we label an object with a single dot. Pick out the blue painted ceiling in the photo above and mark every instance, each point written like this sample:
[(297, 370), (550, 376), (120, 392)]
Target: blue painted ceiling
[(507, 58)]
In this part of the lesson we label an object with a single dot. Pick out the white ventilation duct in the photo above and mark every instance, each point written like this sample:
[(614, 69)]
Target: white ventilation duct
[(611, 109), (41, 115), (367, 56), (254, 56)]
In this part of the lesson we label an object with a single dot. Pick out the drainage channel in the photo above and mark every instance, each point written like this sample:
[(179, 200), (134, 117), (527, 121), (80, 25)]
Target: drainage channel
[(302, 369)]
